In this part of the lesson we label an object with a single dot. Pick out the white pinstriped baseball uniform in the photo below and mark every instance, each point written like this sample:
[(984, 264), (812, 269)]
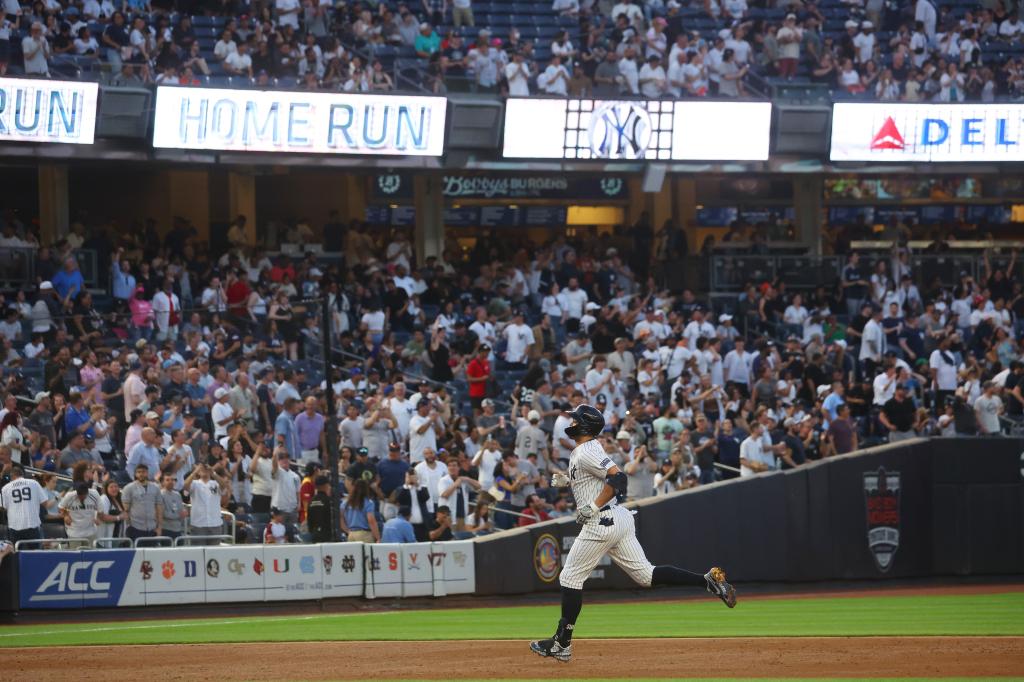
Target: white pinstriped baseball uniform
[(611, 532), (21, 498)]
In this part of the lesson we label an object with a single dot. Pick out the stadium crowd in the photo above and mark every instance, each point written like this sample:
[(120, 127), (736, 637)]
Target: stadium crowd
[(898, 50), (191, 384)]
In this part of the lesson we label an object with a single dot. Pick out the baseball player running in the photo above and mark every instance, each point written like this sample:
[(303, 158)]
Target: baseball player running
[(607, 529)]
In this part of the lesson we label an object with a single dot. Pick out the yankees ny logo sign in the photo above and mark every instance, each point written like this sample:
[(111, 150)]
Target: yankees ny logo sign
[(620, 130)]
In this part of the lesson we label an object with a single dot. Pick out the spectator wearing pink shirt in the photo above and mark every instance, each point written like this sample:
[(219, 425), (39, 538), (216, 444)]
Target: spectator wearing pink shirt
[(142, 315)]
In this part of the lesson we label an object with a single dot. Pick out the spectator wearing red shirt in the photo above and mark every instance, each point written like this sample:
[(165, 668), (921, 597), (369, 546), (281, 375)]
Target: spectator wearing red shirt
[(534, 512), (308, 489), (281, 268), (477, 373), (238, 293)]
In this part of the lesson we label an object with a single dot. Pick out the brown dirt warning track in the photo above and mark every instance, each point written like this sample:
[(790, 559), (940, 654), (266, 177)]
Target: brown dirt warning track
[(769, 657)]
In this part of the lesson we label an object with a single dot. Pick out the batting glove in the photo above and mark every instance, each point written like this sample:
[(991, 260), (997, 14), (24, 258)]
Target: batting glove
[(586, 512), (559, 480)]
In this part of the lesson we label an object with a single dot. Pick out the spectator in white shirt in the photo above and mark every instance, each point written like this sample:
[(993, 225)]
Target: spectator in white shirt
[(677, 74), (518, 339), (628, 70), (517, 73), (653, 83), (36, 51), (1011, 27), (555, 79), (239, 63), (288, 13), (864, 43)]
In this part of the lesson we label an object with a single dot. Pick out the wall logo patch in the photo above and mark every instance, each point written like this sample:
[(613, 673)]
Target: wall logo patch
[(882, 505)]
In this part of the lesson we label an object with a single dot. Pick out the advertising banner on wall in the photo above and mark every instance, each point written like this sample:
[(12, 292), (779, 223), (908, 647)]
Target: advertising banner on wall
[(652, 130), (298, 122), (61, 580), (927, 132), (47, 111), (454, 186)]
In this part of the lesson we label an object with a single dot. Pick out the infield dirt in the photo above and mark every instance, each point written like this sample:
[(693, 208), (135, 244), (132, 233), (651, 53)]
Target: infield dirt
[(765, 657)]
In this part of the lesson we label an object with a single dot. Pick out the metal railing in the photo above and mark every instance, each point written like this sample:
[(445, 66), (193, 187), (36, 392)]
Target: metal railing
[(188, 540), (113, 543), (18, 266), (731, 272)]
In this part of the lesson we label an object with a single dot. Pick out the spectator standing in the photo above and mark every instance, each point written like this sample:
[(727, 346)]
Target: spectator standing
[(756, 455), (462, 13), (286, 488), (358, 520), (309, 425), (80, 509), (790, 36), (284, 428), (898, 415), (22, 498), (478, 374), (36, 51), (173, 508), (142, 502), (517, 73), (424, 428), (262, 470), (318, 513), (554, 80), (988, 408), (640, 471), (205, 494), (652, 78), (842, 432)]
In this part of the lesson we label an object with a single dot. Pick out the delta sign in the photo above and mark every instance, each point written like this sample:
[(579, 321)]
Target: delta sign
[(927, 132)]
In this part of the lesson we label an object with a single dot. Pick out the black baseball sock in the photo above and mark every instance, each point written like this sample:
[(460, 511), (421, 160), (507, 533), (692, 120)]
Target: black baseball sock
[(572, 604), (670, 575)]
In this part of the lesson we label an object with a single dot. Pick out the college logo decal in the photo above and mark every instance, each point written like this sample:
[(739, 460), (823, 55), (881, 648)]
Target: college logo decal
[(882, 504), (547, 557)]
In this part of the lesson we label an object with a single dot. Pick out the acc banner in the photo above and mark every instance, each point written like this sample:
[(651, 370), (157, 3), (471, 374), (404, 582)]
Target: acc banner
[(927, 132), (47, 111), (652, 130), (298, 122), (83, 579)]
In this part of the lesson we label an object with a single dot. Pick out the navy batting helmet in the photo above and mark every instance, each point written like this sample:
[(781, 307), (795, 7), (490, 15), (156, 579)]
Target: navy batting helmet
[(586, 421)]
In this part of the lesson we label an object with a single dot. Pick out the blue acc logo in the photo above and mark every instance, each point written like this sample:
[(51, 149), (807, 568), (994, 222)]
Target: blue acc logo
[(59, 579), (620, 130)]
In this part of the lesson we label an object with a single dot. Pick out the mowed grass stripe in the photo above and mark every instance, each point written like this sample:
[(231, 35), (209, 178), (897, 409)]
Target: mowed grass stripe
[(984, 614)]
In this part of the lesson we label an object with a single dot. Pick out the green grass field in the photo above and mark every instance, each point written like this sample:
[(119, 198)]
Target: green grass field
[(978, 614)]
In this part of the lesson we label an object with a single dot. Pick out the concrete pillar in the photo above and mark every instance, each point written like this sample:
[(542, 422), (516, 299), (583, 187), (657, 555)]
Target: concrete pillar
[(242, 201), (808, 198), (429, 202), (684, 192), (54, 204), (188, 196)]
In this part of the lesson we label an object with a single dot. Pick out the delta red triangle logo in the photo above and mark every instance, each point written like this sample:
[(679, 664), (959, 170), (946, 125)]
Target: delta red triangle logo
[(888, 136)]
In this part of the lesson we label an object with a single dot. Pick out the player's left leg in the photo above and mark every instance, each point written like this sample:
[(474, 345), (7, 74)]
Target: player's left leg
[(630, 557), (583, 557)]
